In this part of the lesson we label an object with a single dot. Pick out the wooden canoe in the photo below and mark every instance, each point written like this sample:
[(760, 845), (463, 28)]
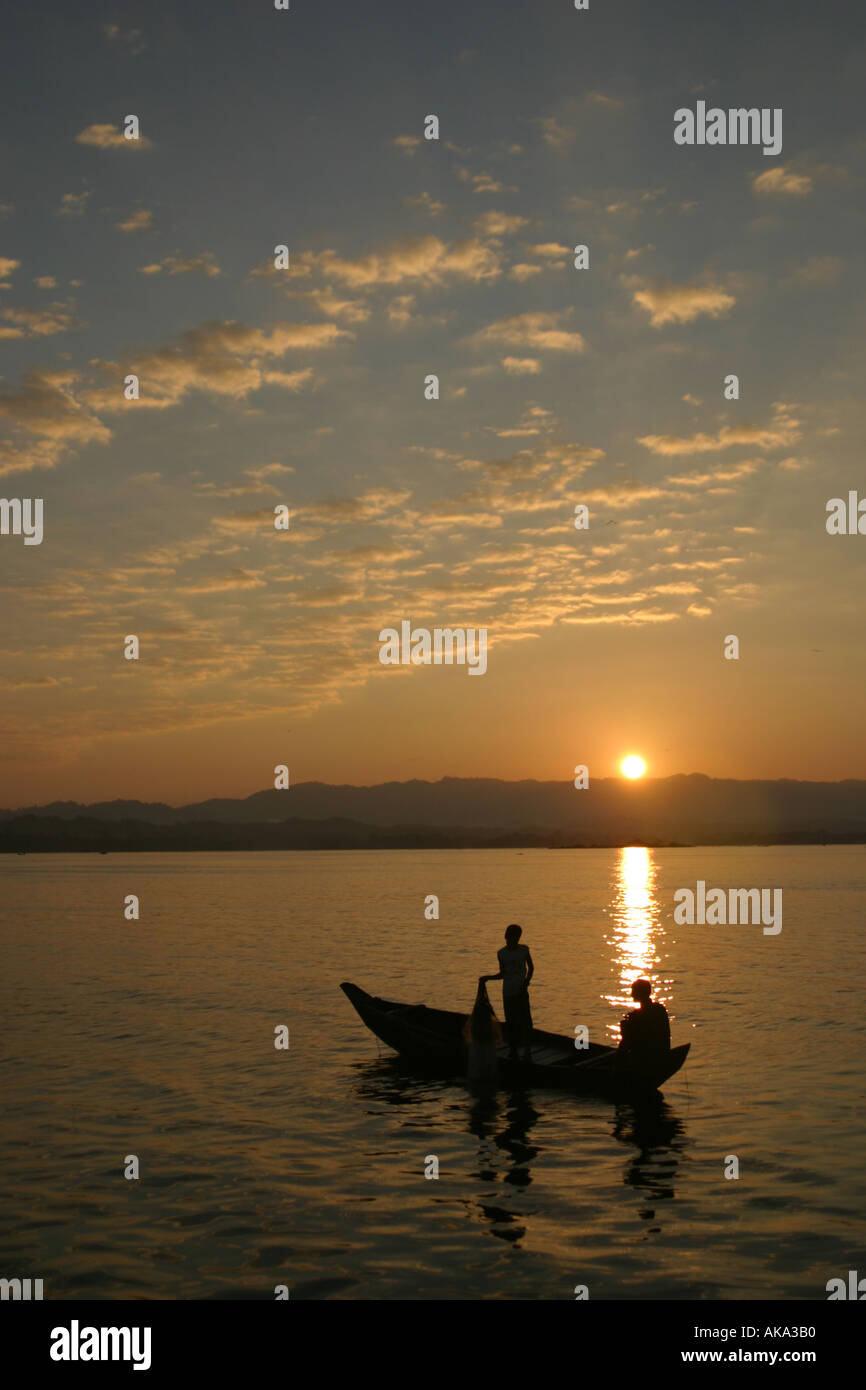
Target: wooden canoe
[(432, 1039)]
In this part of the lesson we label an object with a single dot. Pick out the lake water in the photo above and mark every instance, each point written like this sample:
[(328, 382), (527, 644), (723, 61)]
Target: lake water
[(306, 1167)]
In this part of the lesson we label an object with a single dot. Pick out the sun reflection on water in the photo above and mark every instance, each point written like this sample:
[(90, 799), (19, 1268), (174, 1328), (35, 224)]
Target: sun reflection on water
[(636, 933)]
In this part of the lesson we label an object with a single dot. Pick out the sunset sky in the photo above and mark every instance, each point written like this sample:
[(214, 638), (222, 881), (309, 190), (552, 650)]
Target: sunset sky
[(306, 387)]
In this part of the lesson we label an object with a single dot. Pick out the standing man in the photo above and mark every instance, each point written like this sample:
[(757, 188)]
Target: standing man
[(515, 972)]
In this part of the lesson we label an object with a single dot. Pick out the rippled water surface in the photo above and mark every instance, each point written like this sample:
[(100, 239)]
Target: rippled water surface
[(306, 1167)]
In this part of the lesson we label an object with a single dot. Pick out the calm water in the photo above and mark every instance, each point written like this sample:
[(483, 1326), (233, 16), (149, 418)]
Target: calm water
[(306, 1167)]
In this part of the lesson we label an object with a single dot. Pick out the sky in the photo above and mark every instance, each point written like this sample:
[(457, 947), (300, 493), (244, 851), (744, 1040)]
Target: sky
[(305, 387)]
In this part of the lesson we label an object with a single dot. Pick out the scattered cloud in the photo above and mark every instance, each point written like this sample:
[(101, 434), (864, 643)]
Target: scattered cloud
[(222, 359), (549, 250), (426, 259), (555, 134), (424, 203), (818, 270), (667, 303), (137, 221), (47, 405), (8, 266), (105, 136), (205, 264), (782, 180), (400, 310), (521, 366), (498, 224), (37, 323), (484, 183), (541, 331), (131, 39), (781, 432), (220, 584), (73, 204), (600, 99)]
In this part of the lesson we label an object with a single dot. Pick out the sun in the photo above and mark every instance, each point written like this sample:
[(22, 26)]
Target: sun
[(633, 766)]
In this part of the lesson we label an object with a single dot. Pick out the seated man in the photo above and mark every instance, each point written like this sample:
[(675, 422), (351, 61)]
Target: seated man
[(645, 1032)]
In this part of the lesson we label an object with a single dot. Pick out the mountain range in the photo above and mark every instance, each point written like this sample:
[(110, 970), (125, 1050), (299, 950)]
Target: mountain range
[(455, 811)]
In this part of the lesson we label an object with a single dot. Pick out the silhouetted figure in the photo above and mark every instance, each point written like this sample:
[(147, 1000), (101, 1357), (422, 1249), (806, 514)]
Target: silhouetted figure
[(482, 1033), (515, 971), (645, 1033)]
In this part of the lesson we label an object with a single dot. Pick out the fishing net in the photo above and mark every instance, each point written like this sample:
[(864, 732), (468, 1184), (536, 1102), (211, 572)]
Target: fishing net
[(482, 1026)]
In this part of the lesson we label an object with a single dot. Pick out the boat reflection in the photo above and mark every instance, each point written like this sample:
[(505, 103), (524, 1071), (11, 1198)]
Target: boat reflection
[(502, 1121), (636, 934)]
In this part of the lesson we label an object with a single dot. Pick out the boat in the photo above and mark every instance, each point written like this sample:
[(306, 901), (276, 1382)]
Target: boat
[(432, 1039)]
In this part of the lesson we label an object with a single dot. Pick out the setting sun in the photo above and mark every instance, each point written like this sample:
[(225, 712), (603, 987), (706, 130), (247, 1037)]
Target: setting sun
[(633, 766)]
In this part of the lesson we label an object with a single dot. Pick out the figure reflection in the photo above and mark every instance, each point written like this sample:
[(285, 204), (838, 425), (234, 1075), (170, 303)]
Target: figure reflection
[(658, 1134), (503, 1122)]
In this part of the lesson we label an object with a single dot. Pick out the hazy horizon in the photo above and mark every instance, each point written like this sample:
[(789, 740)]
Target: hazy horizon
[(645, 782)]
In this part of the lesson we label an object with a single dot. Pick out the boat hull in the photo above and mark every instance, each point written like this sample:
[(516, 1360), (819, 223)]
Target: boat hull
[(432, 1040)]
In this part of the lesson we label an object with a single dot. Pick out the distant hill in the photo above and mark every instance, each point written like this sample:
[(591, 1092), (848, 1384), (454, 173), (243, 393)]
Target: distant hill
[(458, 811)]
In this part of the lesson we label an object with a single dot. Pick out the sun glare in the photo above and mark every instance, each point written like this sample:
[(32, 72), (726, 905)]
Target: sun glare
[(633, 766)]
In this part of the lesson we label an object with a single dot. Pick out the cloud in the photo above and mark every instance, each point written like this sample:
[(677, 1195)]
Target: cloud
[(414, 259), (137, 221), (252, 481), (484, 183), (289, 381), (782, 432), (373, 505), (599, 99), (327, 302), (330, 512), (8, 266), (205, 264), (498, 224), (46, 405), (223, 359), (133, 39), (541, 331), (235, 579), (549, 250), (424, 203), (42, 282), (73, 204), (521, 366), (522, 271), (679, 303), (782, 180), (555, 134), (109, 137), (400, 310), (819, 270), (269, 470), (37, 323), (730, 474), (27, 682), (407, 143)]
